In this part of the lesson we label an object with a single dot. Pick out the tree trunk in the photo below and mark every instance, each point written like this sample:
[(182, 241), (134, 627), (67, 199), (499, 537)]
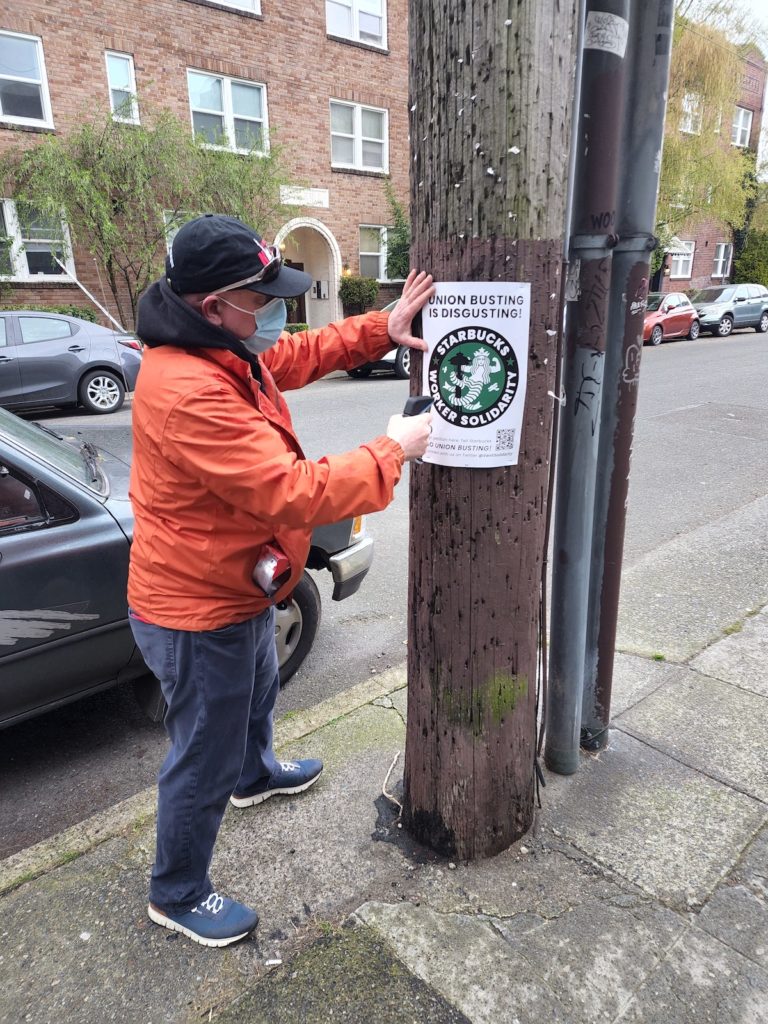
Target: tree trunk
[(491, 95)]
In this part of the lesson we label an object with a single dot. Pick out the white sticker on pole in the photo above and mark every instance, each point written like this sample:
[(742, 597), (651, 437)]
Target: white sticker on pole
[(605, 31), (476, 371)]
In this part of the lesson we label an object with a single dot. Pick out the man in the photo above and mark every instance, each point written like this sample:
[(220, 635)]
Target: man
[(225, 504)]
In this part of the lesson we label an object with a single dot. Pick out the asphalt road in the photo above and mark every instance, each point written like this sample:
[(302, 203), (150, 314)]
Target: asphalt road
[(700, 452)]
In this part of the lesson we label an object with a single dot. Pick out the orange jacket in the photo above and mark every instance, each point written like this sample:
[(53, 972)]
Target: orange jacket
[(217, 472)]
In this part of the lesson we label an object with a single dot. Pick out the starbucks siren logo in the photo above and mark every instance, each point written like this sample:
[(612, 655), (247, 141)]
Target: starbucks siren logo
[(473, 376)]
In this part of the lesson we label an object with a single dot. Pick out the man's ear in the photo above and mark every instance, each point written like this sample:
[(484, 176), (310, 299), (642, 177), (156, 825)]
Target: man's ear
[(211, 310)]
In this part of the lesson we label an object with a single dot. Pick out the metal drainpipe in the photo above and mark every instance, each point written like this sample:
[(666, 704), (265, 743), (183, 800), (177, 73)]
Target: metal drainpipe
[(590, 254), (651, 43)]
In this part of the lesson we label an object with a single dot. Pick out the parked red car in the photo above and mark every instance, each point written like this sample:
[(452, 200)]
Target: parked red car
[(669, 316)]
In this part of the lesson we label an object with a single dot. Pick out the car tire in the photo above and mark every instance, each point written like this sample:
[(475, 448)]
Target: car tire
[(403, 363), (695, 330), (657, 335), (360, 372), (762, 326), (101, 391), (296, 624), (725, 327)]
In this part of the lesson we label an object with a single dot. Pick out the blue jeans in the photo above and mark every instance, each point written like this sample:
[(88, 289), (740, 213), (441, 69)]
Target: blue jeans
[(220, 687)]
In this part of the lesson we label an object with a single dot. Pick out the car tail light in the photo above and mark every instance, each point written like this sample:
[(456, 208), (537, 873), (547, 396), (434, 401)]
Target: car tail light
[(133, 343)]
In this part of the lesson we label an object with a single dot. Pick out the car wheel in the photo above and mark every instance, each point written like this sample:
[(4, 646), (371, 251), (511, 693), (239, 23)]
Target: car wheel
[(296, 623), (695, 330), (360, 372), (403, 363), (762, 327), (657, 335), (725, 326), (101, 391)]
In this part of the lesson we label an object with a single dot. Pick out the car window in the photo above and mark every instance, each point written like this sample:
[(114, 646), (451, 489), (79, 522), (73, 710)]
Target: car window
[(53, 450), (754, 291), (19, 505), (2, 331), (43, 328), (714, 295), (741, 292), (684, 300), (654, 301)]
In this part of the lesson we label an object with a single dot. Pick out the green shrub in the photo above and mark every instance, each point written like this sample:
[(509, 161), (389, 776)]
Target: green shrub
[(752, 264), (82, 312), (293, 328), (357, 293)]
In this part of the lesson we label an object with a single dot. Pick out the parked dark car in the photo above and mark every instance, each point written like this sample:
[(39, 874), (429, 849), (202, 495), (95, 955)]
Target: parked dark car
[(52, 359), (397, 360), (65, 531), (722, 308), (669, 316)]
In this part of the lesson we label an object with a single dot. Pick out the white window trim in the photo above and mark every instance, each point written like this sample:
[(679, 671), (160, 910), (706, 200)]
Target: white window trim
[(47, 121), (134, 119), (722, 248), (676, 260), (19, 269), (228, 113), (738, 127), (692, 117), (355, 7), (235, 6), (357, 137)]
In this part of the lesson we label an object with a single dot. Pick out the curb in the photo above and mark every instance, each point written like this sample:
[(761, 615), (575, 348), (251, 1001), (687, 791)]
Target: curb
[(129, 814)]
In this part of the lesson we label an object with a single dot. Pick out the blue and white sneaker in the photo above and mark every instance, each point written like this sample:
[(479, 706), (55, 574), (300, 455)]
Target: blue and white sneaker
[(217, 921), (289, 777)]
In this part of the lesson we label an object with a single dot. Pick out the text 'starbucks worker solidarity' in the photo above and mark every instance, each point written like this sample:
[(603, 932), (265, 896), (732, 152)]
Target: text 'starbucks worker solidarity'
[(475, 371)]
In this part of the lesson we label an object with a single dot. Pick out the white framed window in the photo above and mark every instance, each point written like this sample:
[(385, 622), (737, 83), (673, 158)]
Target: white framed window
[(31, 241), (682, 263), (691, 119), (252, 6), (373, 251), (365, 21), (741, 127), (230, 113), (121, 79), (24, 97), (721, 266), (359, 137)]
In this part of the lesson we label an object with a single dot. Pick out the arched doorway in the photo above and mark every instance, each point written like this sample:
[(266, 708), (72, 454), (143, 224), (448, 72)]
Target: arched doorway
[(309, 245)]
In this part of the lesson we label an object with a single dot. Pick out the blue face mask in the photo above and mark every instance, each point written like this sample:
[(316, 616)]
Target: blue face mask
[(270, 322)]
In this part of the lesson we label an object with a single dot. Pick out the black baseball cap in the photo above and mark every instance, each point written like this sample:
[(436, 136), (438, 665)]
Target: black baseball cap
[(217, 253)]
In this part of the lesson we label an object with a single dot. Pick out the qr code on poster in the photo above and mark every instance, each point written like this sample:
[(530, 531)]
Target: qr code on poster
[(505, 440)]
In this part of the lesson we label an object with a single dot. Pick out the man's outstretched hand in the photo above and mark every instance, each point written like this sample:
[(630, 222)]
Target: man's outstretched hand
[(417, 290)]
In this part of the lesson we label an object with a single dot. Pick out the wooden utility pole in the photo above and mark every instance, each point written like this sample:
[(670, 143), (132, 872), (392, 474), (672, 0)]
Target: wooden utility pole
[(491, 93)]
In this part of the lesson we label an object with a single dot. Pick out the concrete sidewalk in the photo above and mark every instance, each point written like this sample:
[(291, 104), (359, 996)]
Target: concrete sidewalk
[(640, 894)]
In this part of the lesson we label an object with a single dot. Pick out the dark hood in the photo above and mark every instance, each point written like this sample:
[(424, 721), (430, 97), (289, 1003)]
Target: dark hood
[(166, 319)]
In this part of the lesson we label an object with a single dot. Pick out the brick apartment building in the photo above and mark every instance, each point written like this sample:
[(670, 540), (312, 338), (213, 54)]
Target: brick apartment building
[(329, 77), (702, 252)]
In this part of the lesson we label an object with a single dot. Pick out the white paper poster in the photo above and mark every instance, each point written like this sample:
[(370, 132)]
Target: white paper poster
[(476, 371)]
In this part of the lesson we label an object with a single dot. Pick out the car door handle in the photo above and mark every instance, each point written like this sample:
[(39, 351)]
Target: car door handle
[(6, 359), (76, 348)]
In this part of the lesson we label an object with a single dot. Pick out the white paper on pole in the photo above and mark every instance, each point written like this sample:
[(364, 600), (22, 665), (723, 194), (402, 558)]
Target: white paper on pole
[(476, 371)]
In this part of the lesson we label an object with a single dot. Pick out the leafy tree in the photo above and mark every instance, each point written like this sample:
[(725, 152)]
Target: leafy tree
[(121, 188), (702, 175), (398, 237)]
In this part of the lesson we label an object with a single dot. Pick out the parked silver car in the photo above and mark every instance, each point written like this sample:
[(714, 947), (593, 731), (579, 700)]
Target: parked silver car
[(722, 308), (52, 359), (65, 531)]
